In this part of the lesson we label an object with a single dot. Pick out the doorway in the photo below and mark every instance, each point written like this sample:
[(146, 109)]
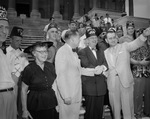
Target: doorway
[(23, 9)]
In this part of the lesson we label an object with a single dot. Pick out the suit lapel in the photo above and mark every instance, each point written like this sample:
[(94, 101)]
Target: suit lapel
[(74, 58), (108, 57), (117, 53), (91, 56)]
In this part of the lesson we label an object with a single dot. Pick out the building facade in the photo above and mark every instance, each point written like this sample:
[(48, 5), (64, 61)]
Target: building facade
[(63, 9), (67, 9)]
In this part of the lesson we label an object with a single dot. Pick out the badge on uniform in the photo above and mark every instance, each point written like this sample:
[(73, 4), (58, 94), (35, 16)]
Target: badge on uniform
[(3, 13)]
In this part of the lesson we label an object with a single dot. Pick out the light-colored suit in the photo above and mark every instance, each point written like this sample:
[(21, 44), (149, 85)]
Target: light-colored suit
[(68, 82), (120, 80)]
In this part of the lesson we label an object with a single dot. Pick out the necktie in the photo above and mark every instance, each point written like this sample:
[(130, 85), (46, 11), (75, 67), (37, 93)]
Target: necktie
[(94, 52)]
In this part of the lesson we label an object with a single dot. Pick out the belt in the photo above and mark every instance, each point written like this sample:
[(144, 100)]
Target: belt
[(8, 89)]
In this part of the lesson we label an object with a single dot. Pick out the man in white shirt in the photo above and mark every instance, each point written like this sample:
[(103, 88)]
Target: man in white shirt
[(8, 108), (68, 81), (14, 53), (120, 79), (17, 61)]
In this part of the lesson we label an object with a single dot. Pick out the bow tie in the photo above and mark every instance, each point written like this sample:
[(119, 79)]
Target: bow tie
[(73, 50), (94, 49), (4, 50)]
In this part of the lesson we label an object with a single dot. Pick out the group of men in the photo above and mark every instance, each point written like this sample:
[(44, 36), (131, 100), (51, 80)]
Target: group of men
[(111, 67)]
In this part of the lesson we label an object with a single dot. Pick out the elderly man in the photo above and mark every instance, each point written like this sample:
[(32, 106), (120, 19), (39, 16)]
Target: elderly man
[(94, 87), (8, 108), (120, 80), (68, 80)]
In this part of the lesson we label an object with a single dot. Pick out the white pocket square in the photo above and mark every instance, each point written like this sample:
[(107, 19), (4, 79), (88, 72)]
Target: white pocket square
[(120, 52)]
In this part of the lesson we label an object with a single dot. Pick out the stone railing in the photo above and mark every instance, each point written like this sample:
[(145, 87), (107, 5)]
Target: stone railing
[(100, 12)]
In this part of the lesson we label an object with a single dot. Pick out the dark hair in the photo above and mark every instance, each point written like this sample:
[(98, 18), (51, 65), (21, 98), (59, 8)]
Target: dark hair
[(51, 18), (70, 33)]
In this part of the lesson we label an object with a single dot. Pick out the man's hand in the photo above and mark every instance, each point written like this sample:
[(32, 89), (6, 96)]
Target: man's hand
[(146, 32), (67, 101), (144, 62), (105, 73), (98, 70), (26, 115)]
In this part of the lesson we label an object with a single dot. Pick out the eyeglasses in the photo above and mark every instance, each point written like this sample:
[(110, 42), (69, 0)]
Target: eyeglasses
[(42, 52)]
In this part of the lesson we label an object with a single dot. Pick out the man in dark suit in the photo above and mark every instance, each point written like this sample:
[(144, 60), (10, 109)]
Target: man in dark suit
[(94, 87)]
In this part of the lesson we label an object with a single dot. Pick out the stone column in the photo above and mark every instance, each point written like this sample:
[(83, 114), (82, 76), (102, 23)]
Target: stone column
[(11, 8), (66, 8), (127, 7), (131, 9), (76, 10), (56, 13), (35, 9), (94, 4)]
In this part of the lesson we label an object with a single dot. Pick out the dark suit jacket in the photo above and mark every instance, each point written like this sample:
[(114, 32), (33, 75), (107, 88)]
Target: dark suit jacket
[(93, 85)]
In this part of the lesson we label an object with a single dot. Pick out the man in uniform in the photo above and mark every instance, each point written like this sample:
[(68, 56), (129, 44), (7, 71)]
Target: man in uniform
[(17, 60), (94, 87)]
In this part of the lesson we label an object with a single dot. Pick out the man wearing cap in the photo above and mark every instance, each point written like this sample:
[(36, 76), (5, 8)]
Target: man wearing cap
[(94, 87), (68, 80), (8, 108), (52, 35), (51, 20), (17, 61), (71, 26), (119, 31), (120, 79), (14, 53)]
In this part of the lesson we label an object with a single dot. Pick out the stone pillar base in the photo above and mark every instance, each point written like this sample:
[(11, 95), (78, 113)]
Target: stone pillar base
[(11, 12), (35, 14), (76, 16), (57, 15)]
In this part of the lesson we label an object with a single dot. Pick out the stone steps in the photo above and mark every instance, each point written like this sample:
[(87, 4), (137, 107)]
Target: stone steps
[(34, 27)]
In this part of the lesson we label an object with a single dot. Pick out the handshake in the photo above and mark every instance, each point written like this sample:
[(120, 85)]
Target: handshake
[(100, 69)]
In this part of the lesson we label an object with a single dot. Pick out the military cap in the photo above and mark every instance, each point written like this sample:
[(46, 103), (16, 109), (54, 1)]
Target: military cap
[(3, 13), (130, 24), (52, 25), (119, 27), (90, 32), (16, 31)]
